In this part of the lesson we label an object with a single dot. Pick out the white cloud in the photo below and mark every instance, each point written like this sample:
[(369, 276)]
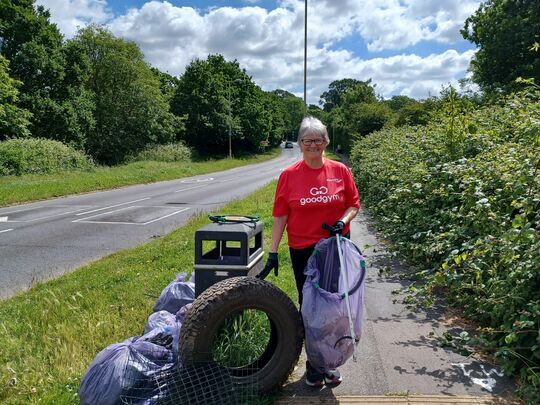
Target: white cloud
[(70, 15), (269, 43)]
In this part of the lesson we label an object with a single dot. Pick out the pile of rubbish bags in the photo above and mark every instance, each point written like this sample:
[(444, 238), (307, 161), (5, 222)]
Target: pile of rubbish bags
[(131, 369)]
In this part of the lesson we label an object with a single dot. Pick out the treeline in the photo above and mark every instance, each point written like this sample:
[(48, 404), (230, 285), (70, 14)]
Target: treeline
[(96, 93)]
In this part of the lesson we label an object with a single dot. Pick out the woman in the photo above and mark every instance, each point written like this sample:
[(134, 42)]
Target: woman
[(311, 192)]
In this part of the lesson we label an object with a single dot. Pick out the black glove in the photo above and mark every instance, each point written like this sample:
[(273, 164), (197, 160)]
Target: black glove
[(337, 228), (271, 263)]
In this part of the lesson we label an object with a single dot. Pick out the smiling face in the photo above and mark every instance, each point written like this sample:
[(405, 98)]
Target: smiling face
[(312, 145)]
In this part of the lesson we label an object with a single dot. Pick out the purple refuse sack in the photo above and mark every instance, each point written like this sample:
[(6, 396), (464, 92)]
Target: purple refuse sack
[(177, 294), (160, 319), (126, 369), (328, 338)]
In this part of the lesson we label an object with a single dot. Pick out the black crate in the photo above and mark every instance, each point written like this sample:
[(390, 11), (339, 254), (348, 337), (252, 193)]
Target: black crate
[(224, 250)]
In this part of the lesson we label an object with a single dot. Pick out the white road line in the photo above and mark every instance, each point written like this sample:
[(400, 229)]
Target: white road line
[(105, 213), (6, 230), (191, 188), (191, 181), (166, 216), (50, 216), (25, 209), (226, 180), (83, 220), (113, 206)]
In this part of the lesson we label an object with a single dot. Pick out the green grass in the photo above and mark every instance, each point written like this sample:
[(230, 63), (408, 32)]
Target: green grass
[(50, 334), (242, 339), (19, 189)]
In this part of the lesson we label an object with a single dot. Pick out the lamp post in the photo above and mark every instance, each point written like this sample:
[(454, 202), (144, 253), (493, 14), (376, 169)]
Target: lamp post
[(305, 53)]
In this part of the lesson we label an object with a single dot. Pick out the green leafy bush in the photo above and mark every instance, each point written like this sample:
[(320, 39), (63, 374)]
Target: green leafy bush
[(170, 152), (460, 198), (40, 156)]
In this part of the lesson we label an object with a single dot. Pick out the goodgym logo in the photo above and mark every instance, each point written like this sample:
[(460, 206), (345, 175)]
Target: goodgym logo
[(319, 196), (318, 191)]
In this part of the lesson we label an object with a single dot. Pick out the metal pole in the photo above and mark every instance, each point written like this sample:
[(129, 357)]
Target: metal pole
[(230, 123), (343, 270), (305, 53)]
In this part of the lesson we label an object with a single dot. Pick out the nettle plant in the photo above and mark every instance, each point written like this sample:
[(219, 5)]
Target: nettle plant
[(460, 199)]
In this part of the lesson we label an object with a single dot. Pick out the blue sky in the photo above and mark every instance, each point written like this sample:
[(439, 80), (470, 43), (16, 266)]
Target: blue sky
[(409, 47)]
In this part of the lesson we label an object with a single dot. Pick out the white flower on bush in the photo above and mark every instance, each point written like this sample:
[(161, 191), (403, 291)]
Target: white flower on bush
[(483, 202)]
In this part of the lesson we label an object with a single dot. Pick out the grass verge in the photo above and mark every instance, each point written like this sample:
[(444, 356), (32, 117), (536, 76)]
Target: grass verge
[(19, 189), (51, 333)]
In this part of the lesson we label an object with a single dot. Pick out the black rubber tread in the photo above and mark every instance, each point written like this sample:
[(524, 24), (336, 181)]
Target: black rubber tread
[(230, 296)]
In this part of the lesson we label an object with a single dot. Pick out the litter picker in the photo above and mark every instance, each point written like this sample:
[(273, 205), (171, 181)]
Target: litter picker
[(343, 270)]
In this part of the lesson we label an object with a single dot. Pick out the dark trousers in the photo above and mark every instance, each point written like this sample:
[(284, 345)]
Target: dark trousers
[(299, 259)]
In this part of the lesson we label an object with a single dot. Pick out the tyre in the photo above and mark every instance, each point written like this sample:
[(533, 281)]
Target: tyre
[(203, 327)]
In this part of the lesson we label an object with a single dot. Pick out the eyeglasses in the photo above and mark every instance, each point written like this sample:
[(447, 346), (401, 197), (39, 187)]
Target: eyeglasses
[(307, 142)]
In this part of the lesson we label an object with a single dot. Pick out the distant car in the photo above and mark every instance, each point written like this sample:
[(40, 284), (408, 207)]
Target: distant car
[(288, 145)]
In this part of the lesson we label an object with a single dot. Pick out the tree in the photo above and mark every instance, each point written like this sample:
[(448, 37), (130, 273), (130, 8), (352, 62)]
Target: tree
[(206, 94), (293, 112), (417, 113), (32, 44), (358, 94), (336, 129), (217, 96), (315, 111), (130, 110), (168, 83), (506, 33), (51, 88), (348, 118), (396, 103), (364, 118), (336, 90), (14, 121), (275, 106)]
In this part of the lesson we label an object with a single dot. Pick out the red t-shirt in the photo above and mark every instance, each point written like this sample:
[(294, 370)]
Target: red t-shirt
[(311, 197)]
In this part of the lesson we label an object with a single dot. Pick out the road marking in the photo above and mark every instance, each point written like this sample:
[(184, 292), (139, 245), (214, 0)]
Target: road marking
[(25, 209), (6, 230), (166, 216), (484, 378), (47, 216), (197, 180), (112, 206), (191, 188), (84, 220), (105, 213), (3, 219), (226, 180)]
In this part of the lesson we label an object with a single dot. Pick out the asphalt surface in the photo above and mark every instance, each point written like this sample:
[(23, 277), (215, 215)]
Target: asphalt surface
[(397, 357), (43, 240)]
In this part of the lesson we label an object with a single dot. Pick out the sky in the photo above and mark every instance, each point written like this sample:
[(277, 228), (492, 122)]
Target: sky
[(406, 47)]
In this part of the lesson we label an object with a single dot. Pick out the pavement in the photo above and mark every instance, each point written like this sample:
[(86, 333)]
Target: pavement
[(400, 360)]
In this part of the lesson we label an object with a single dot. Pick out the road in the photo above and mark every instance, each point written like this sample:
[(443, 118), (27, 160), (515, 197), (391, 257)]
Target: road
[(43, 240)]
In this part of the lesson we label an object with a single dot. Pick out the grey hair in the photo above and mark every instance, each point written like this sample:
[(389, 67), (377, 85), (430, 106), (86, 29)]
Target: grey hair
[(312, 125)]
